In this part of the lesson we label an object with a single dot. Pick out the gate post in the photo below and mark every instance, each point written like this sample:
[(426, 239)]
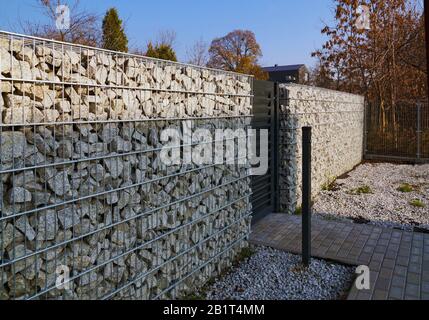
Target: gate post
[(277, 149), (306, 196)]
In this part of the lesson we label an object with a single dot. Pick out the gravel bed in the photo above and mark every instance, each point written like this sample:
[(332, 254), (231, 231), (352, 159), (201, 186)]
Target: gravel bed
[(385, 205), (276, 275)]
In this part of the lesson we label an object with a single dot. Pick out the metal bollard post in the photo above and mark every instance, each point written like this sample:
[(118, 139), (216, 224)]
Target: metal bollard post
[(306, 196)]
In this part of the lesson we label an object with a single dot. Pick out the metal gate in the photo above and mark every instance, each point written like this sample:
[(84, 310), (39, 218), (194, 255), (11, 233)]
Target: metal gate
[(265, 111)]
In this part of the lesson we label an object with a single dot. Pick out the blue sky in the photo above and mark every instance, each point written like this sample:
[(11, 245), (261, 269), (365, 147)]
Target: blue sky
[(287, 30)]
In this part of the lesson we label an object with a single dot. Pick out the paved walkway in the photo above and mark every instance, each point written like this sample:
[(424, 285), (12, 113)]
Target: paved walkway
[(398, 260)]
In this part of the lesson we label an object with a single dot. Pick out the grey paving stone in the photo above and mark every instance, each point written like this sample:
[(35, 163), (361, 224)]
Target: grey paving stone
[(413, 278), (425, 287), (400, 270), (425, 296), (412, 290), (402, 261), (390, 254), (416, 268), (399, 281), (380, 295), (382, 283), (388, 263), (398, 260), (396, 293)]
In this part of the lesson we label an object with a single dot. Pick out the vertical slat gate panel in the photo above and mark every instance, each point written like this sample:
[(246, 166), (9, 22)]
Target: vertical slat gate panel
[(264, 199)]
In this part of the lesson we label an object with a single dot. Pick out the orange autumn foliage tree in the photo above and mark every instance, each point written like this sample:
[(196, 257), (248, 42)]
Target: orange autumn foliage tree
[(386, 63), (238, 51)]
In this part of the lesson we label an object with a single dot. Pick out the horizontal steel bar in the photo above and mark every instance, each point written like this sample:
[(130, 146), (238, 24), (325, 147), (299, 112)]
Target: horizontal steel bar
[(82, 160), (141, 215), (57, 123), (178, 256), (228, 248), (320, 125), (131, 251), (129, 88), (313, 100), (13, 35), (323, 112), (106, 192)]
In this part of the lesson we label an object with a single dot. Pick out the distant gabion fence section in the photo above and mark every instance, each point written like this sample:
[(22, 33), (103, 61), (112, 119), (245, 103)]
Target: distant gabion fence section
[(88, 210), (337, 119)]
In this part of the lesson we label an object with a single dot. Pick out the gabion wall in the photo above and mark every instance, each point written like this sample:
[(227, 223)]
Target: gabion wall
[(337, 119), (83, 188)]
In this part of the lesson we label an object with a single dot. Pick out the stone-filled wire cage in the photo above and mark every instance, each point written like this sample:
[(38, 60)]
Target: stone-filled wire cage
[(88, 209)]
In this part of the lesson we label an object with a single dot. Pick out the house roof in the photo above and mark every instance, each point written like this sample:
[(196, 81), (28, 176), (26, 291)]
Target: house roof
[(293, 67)]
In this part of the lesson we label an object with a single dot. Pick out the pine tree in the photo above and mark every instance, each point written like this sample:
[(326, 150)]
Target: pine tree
[(161, 51), (114, 37)]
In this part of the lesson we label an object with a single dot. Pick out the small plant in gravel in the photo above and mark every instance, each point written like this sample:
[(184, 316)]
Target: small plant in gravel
[(406, 188), (298, 210), (299, 268), (417, 203), (330, 185), (362, 190), (244, 254)]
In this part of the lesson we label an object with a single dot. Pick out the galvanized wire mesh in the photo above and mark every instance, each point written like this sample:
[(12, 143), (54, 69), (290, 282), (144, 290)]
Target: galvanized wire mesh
[(400, 132), (84, 192), (337, 120)]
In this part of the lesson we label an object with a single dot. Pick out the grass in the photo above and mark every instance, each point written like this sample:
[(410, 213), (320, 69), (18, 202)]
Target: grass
[(362, 190), (417, 203), (405, 188), (330, 185), (298, 210), (244, 254)]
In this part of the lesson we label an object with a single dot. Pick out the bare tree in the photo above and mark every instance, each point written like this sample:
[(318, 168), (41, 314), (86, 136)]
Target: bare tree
[(198, 54), (166, 38), (84, 28)]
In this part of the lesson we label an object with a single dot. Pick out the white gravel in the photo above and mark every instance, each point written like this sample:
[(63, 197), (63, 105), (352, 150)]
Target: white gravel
[(276, 275), (386, 206)]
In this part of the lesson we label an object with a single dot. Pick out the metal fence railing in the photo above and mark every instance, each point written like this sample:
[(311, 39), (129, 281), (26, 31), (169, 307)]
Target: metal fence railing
[(398, 133), (85, 197)]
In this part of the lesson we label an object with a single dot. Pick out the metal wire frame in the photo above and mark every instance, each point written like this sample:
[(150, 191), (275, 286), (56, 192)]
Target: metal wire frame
[(227, 249), (286, 117), (323, 101), (95, 195), (241, 219), (288, 124), (113, 224), (125, 154), (32, 39), (324, 124), (130, 88), (58, 202), (147, 244), (124, 121)]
